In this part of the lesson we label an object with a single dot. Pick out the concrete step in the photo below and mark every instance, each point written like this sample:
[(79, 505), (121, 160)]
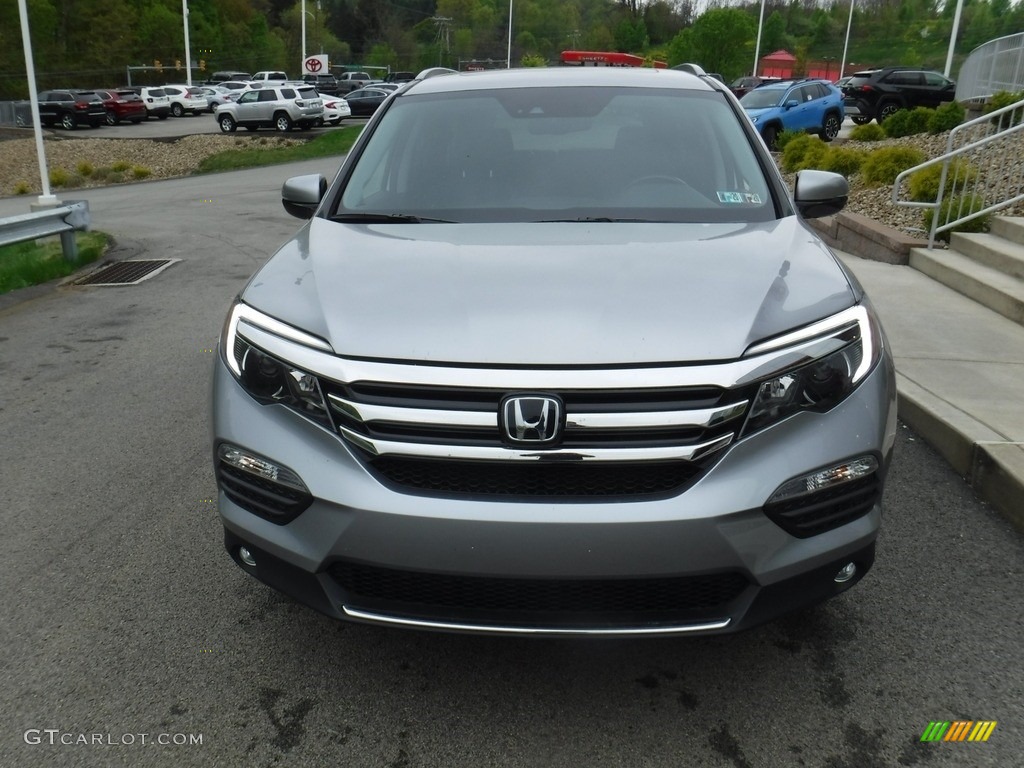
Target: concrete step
[(991, 250), (990, 287), (1008, 227)]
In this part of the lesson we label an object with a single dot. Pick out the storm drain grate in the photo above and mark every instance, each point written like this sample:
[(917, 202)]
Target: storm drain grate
[(126, 272)]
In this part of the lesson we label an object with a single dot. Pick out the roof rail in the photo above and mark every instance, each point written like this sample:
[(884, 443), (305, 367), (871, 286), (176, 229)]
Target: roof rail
[(434, 72)]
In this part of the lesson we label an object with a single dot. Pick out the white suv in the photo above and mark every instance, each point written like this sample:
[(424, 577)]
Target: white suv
[(185, 99), (281, 107)]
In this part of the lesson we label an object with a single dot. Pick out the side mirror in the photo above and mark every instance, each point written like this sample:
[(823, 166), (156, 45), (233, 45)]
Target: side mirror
[(301, 195), (820, 193), (792, 103)]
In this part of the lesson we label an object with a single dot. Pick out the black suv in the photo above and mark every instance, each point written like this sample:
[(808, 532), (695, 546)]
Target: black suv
[(70, 109), (326, 84), (878, 93)]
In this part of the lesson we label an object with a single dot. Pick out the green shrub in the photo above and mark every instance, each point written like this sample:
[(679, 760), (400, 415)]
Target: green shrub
[(924, 185), (58, 177), (802, 152), (947, 117), (120, 166), (102, 173), (907, 122), (868, 132), (84, 168), (1002, 99), (22, 188), (784, 137), (73, 181), (882, 166), (843, 160), (955, 207), (115, 177), (141, 172)]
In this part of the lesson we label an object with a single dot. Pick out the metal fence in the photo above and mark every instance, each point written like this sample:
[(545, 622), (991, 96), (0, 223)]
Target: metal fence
[(998, 65), (982, 171), (16, 114)]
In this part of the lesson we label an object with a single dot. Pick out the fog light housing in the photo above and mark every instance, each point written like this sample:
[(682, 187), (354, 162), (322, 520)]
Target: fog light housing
[(846, 573), (260, 485), (246, 557), (825, 478)]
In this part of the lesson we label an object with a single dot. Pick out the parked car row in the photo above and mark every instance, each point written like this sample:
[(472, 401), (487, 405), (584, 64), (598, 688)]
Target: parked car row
[(278, 104), (872, 94)]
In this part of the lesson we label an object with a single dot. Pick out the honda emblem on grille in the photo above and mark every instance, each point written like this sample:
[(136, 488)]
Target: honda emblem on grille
[(531, 418)]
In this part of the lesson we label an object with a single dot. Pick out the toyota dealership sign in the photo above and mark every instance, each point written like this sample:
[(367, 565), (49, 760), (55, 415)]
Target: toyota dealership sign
[(315, 65)]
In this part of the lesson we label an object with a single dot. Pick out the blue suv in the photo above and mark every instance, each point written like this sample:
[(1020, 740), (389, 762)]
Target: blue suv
[(814, 106)]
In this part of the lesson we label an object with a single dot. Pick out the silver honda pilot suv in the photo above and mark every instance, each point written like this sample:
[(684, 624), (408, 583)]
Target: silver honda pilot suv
[(282, 107), (555, 353)]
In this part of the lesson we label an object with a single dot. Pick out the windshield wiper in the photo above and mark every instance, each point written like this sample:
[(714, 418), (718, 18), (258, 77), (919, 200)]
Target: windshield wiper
[(588, 219), (386, 218)]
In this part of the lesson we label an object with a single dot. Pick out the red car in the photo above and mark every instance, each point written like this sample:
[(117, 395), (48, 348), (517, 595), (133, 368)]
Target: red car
[(122, 105)]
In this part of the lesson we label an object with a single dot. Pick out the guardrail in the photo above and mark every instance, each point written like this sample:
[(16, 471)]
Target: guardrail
[(998, 65), (982, 170), (62, 220)]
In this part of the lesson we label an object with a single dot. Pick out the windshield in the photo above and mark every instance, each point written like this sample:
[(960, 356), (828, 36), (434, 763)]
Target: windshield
[(553, 154), (762, 98)]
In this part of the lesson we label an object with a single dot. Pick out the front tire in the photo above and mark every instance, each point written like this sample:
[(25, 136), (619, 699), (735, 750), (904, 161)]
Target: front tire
[(860, 119), (112, 118), (282, 122), (770, 134), (227, 124), (830, 127)]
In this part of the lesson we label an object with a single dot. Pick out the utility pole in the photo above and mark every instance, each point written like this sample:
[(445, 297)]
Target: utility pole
[(442, 23)]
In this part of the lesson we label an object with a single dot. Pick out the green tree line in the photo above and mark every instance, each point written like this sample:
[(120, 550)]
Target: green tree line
[(91, 43)]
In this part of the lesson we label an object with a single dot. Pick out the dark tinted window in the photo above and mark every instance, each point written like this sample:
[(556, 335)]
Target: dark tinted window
[(905, 78), (267, 96), (561, 153)]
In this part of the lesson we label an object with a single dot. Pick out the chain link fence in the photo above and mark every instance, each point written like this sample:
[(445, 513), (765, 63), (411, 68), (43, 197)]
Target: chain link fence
[(15, 114)]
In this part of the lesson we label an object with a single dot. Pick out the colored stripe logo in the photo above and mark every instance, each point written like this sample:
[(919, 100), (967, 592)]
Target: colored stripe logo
[(959, 730)]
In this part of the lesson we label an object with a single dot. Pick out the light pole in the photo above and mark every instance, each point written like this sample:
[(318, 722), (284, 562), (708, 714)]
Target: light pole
[(303, 67), (45, 199), (846, 44), (508, 56), (952, 37), (188, 49), (757, 46)]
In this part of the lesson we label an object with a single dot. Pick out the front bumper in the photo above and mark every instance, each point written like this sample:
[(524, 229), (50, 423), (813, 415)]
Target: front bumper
[(707, 560)]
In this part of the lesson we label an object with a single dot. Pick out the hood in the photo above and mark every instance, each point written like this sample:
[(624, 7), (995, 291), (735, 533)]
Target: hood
[(754, 114), (550, 294)]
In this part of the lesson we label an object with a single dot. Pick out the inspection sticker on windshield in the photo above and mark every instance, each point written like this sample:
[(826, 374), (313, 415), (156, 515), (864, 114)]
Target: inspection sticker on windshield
[(739, 197)]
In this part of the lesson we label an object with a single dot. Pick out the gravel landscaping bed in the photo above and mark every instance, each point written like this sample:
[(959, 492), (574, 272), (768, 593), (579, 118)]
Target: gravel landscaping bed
[(163, 159)]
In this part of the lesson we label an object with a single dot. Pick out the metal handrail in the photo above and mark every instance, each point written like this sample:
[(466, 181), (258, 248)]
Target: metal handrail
[(974, 138), (997, 65)]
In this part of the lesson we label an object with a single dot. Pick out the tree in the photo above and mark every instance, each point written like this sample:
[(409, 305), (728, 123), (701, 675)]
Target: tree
[(720, 40)]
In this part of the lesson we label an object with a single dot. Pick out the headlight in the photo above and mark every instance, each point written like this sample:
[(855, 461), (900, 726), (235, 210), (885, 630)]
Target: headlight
[(266, 378), (823, 383)]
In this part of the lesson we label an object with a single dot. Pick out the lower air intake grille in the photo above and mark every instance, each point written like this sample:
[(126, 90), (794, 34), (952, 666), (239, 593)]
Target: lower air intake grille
[(547, 601), (535, 481), (271, 501), (816, 513)]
